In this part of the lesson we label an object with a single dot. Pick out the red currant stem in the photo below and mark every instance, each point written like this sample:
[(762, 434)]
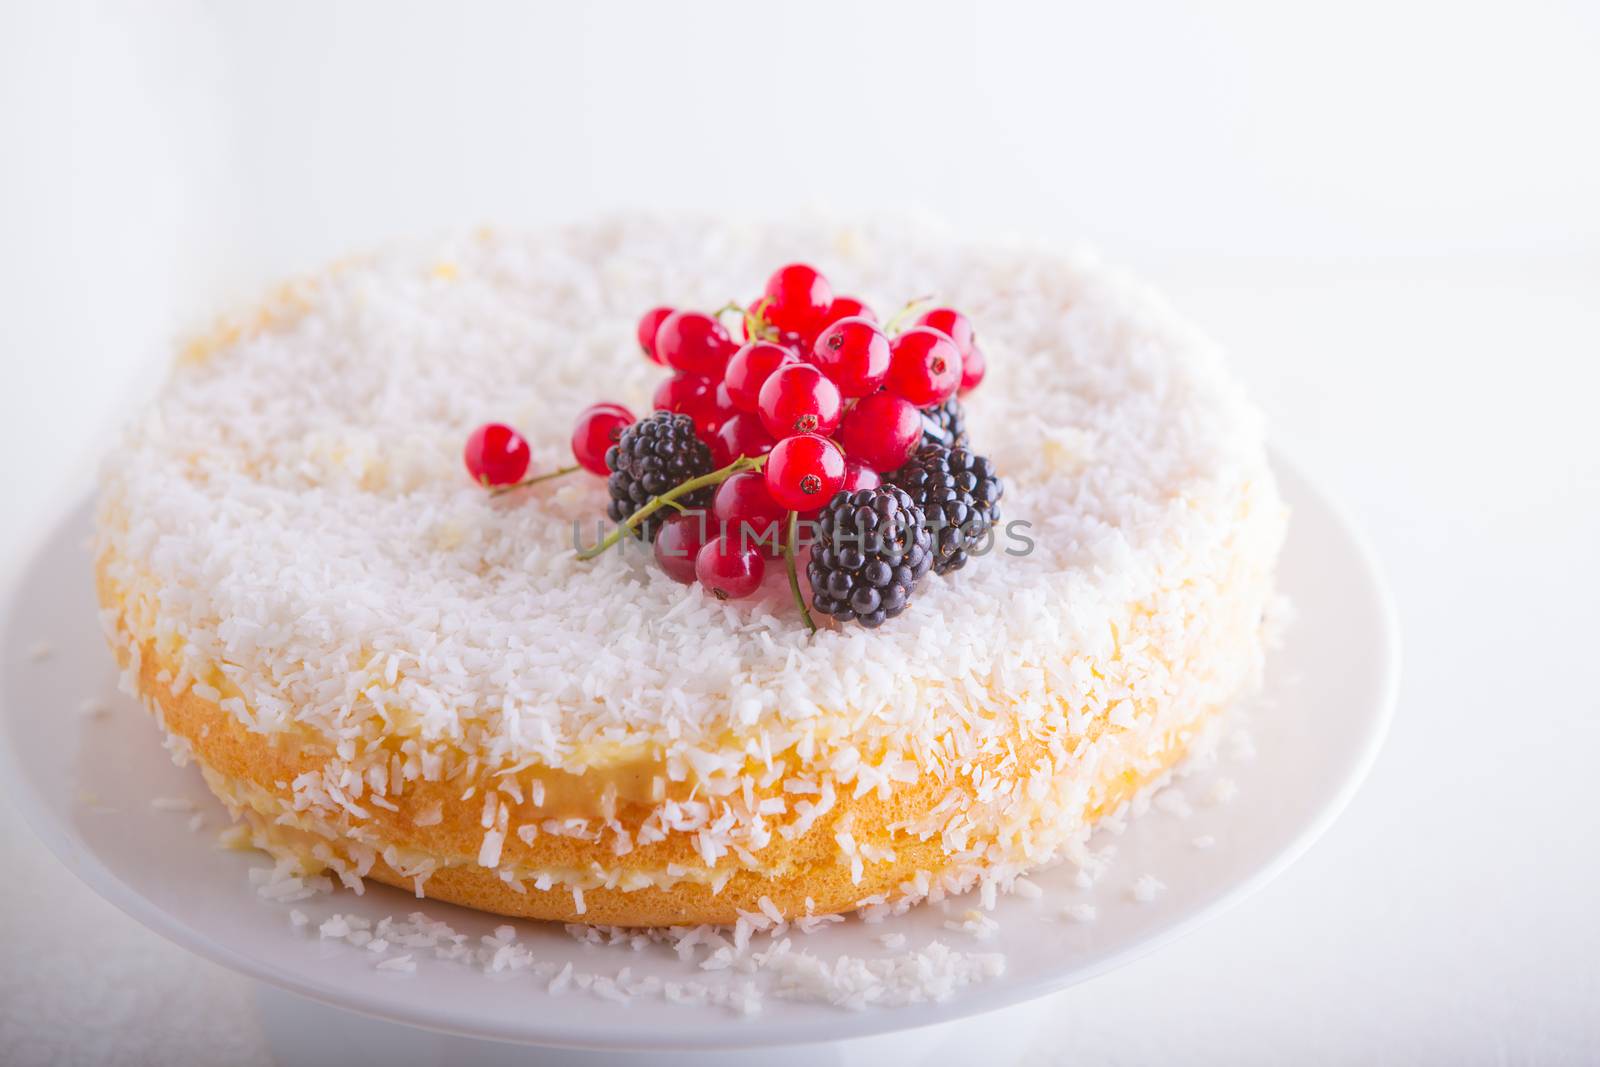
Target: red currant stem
[(755, 321), (794, 576), (670, 499), (730, 306), (756, 327), (893, 325), (502, 490)]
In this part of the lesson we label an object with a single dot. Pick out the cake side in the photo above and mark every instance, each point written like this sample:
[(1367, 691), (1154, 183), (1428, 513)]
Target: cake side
[(541, 843)]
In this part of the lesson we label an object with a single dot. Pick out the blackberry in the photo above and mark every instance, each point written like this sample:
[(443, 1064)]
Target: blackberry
[(959, 493), (655, 454), (872, 548), (945, 424)]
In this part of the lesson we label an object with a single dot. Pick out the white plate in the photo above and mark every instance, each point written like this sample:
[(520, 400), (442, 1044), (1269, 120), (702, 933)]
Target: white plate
[(86, 782)]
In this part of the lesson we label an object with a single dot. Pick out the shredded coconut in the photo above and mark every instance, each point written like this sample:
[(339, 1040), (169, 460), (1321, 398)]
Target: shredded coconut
[(1146, 888), (1173, 803), (333, 574), (738, 976), (321, 532), (974, 922), (1080, 913), (738, 967)]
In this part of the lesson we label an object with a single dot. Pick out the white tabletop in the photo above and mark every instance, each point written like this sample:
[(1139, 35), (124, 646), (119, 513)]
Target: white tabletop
[(1447, 917)]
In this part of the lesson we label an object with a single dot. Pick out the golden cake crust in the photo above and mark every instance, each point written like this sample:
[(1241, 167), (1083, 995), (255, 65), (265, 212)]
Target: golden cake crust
[(252, 773)]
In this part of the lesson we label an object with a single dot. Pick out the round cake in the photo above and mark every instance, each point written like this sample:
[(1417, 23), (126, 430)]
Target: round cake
[(387, 672)]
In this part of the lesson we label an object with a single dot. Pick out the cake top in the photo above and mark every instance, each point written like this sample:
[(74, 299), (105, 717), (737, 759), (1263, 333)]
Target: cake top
[(294, 502)]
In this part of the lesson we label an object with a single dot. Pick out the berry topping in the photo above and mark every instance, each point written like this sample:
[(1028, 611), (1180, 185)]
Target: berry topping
[(693, 342), (871, 551), (597, 429), (858, 476), (496, 455), (881, 431), (746, 513), (854, 354), (925, 367), (973, 367), (678, 543), (683, 392), (958, 328), (952, 324), (728, 570), (749, 370), (959, 494), (741, 435), (799, 299), (765, 331), (710, 415), (800, 399), (744, 430), (848, 307), (804, 471), (702, 399), (649, 323), (652, 456), (945, 424)]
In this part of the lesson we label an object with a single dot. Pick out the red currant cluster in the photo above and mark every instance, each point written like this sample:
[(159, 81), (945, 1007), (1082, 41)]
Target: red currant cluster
[(817, 398), (818, 384)]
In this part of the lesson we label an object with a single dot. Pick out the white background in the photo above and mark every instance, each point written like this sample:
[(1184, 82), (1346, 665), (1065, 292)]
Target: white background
[(1390, 212)]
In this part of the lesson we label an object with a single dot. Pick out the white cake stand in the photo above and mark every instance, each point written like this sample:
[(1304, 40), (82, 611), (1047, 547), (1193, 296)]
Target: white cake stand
[(85, 782)]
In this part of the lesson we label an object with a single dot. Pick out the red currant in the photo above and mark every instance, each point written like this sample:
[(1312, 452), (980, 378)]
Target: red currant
[(728, 570), (709, 416), (496, 455), (951, 323), (973, 367), (649, 323), (702, 399), (749, 369), (858, 476), (746, 512), (958, 328), (925, 367), (597, 429), (854, 354), (804, 471), (881, 431), (848, 307), (800, 298), (744, 322), (693, 342), (799, 399), (786, 338), (678, 542), (741, 435), (683, 391)]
